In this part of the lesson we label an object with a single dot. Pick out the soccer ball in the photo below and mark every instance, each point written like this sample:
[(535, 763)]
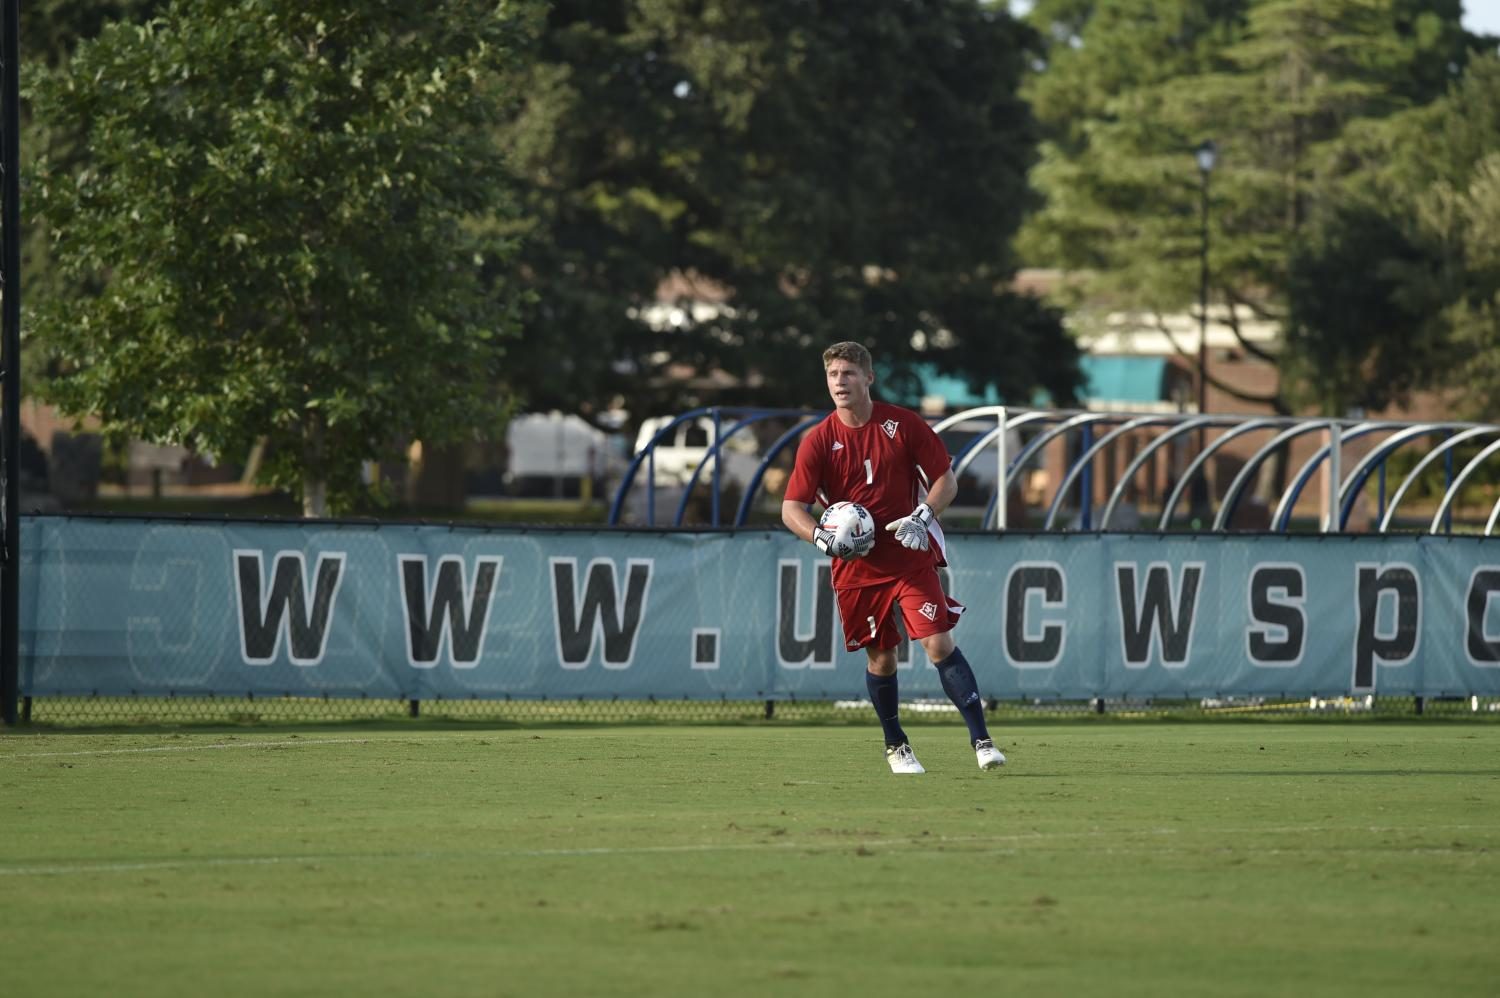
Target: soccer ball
[(853, 529)]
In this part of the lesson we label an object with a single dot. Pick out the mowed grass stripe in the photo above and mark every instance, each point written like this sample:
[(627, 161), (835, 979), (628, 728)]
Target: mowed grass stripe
[(975, 844), (142, 750), (1122, 859)]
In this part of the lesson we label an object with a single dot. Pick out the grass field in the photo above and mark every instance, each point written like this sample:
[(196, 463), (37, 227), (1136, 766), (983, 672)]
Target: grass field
[(1124, 859)]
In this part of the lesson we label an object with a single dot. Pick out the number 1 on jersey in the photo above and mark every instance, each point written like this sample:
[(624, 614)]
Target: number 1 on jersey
[(869, 473)]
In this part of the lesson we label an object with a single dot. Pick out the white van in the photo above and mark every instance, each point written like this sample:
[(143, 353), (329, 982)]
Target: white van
[(552, 453), (688, 444)]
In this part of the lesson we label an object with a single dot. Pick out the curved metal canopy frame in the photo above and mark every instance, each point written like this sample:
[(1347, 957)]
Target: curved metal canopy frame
[(647, 456), (1354, 482), (1133, 468), (1489, 525), (975, 447), (1293, 492), (1421, 466), (712, 454), (1036, 445), (1252, 466), (969, 415), (1458, 481), (1057, 424), (780, 444), (1138, 462), (1200, 461), (1086, 460)]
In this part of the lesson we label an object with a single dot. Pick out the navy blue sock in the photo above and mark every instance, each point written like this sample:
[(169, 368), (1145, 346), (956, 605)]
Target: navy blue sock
[(887, 701), (961, 687)]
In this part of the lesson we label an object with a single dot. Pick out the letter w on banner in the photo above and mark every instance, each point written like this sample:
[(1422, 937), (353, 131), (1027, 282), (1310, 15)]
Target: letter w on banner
[(1157, 619), (598, 615)]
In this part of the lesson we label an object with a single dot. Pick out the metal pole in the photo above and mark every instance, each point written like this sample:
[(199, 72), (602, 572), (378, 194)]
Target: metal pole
[(718, 465), (1002, 521), (1203, 304), (10, 351), (1448, 484), (1335, 473), (1086, 483), (1206, 153)]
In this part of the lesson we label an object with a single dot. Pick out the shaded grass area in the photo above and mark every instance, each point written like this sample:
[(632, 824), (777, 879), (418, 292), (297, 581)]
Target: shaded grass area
[(1124, 859), (281, 506)]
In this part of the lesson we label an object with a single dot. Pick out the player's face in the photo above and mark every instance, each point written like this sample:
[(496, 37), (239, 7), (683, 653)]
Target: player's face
[(848, 384)]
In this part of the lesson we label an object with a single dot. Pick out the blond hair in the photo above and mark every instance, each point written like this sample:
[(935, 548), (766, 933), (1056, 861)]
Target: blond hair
[(854, 353)]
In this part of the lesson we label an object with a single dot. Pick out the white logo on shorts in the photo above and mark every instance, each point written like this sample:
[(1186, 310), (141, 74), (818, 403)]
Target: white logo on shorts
[(929, 610), (889, 426)]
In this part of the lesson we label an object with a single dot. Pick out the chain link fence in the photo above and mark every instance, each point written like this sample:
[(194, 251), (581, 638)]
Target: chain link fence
[(164, 623), (65, 712)]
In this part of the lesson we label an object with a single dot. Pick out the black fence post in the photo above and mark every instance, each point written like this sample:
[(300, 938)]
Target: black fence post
[(10, 357)]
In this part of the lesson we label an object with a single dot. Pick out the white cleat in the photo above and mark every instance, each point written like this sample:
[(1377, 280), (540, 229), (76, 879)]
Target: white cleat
[(902, 759), (989, 757)]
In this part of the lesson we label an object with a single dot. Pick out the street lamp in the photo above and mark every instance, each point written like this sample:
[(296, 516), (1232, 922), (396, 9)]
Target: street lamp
[(1207, 154)]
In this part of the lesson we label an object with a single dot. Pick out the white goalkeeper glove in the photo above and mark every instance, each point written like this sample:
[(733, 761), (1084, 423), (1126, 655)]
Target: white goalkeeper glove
[(911, 530), (823, 540)]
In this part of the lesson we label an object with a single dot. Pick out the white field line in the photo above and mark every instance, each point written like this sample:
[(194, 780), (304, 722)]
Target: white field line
[(294, 743), (999, 845)]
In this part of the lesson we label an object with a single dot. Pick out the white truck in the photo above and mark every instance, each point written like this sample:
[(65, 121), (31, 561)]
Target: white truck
[(687, 445)]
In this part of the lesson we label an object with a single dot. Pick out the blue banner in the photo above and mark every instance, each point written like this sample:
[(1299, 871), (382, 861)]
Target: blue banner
[(150, 607)]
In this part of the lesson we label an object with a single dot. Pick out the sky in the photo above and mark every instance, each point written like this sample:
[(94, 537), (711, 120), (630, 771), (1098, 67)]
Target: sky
[(1482, 16), (1479, 15)]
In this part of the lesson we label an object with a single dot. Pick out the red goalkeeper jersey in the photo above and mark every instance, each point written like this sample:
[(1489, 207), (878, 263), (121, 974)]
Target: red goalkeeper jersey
[(881, 466)]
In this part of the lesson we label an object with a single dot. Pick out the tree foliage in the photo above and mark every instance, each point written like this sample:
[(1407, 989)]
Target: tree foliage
[(280, 222), (50, 31), (1281, 86), (1440, 176), (817, 171)]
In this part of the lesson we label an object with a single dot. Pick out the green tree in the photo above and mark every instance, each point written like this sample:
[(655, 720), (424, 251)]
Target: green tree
[(276, 219), (1278, 84), (1440, 176), (50, 31), (830, 171), (1363, 329)]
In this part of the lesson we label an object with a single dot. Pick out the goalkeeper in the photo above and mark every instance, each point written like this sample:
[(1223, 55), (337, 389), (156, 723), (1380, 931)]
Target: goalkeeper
[(880, 455)]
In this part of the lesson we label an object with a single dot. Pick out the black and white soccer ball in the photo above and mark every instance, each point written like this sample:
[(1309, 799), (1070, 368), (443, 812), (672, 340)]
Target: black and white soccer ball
[(853, 529)]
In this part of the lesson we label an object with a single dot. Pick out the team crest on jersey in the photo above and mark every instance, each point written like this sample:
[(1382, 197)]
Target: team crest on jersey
[(929, 610), (889, 426)]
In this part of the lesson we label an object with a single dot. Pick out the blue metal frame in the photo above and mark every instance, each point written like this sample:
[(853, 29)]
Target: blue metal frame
[(1070, 420), (1443, 450), (1444, 514), (1247, 473), (1354, 482), (1058, 424), (713, 455), (971, 451), (1293, 492), (1085, 463), (746, 416), (780, 444), (648, 456)]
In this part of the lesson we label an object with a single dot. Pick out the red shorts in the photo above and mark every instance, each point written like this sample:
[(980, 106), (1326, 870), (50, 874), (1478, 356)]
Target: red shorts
[(868, 612)]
